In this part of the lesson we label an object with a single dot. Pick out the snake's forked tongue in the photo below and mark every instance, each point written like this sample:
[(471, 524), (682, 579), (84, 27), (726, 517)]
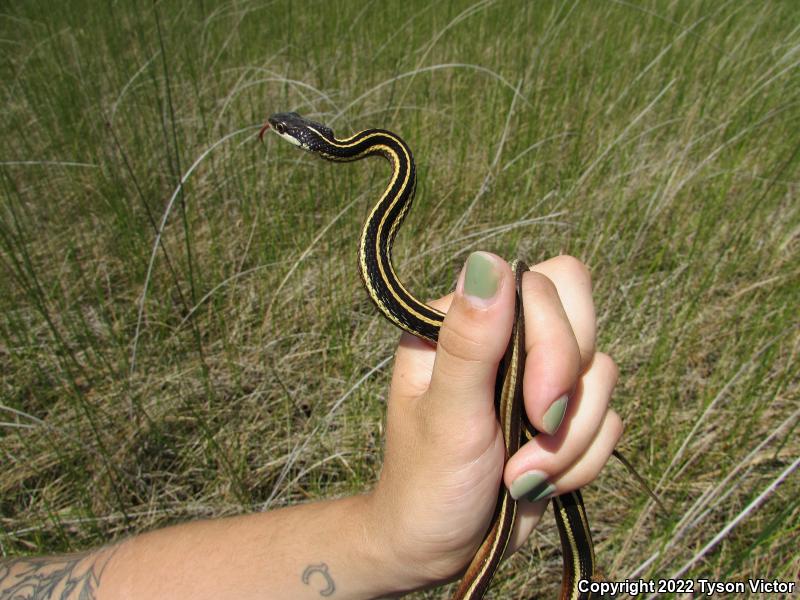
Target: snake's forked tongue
[(261, 133)]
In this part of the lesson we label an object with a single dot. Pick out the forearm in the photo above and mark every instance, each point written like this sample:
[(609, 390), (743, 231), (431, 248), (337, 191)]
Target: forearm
[(325, 549)]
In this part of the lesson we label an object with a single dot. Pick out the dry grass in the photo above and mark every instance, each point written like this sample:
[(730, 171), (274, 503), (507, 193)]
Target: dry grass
[(183, 331)]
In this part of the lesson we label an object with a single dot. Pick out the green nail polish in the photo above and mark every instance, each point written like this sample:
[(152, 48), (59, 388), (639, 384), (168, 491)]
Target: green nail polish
[(481, 278), (541, 492), (533, 485), (554, 415)]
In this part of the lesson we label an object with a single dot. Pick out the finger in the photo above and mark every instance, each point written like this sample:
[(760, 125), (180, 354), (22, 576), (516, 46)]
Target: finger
[(528, 516), (587, 467), (574, 284), (583, 472), (473, 339), (591, 462), (553, 358), (541, 461)]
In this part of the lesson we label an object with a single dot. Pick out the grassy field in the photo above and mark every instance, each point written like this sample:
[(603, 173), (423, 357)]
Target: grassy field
[(182, 327)]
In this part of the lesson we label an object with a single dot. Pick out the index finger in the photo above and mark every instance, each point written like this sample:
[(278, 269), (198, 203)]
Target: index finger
[(574, 286)]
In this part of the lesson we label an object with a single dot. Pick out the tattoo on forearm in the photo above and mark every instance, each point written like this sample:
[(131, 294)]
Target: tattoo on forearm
[(71, 577), (329, 586)]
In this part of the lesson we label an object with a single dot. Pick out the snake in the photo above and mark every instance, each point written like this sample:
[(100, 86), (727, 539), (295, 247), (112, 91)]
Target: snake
[(395, 302)]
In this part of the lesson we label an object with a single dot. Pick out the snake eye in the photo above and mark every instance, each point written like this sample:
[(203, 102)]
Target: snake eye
[(280, 128)]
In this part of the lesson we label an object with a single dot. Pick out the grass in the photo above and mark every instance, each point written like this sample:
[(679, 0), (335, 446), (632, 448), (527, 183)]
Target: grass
[(182, 330)]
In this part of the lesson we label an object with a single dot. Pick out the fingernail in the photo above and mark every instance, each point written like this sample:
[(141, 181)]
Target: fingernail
[(481, 277), (555, 415), (533, 485)]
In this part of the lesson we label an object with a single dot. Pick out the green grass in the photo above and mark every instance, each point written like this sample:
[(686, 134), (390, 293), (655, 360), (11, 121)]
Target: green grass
[(659, 142)]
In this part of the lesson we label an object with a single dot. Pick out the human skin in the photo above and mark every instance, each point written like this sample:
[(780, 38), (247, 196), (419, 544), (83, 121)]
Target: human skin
[(426, 516)]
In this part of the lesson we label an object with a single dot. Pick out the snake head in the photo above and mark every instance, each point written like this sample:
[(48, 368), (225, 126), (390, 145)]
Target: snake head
[(298, 130)]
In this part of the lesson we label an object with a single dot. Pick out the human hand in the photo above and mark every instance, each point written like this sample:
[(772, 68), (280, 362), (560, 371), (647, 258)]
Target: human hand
[(444, 448), (444, 463)]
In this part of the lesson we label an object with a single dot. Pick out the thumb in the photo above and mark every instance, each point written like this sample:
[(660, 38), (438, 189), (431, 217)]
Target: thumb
[(473, 339)]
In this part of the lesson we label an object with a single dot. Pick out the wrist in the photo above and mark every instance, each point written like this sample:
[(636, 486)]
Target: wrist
[(392, 549), (388, 549)]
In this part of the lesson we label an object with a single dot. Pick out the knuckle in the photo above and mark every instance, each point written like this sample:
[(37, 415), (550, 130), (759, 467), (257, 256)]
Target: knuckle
[(615, 425), (461, 344), (573, 268), (535, 284), (608, 367)]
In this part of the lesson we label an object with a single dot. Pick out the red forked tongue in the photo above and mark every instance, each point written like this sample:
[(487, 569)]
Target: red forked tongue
[(261, 133)]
